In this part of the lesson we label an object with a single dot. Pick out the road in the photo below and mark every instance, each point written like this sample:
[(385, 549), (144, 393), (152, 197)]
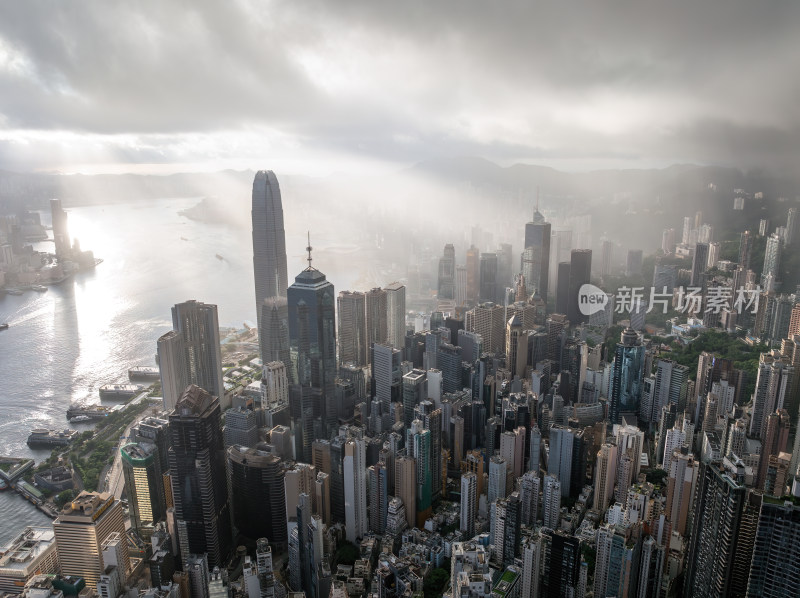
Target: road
[(114, 481)]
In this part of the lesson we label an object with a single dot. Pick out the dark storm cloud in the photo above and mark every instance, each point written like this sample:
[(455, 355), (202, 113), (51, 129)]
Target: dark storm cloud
[(658, 81)]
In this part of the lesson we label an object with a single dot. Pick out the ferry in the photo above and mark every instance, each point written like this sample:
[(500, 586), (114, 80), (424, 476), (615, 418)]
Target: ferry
[(39, 288), (4, 326), (141, 372), (184, 239), (90, 411), (218, 256), (45, 437), (80, 418), (120, 392)]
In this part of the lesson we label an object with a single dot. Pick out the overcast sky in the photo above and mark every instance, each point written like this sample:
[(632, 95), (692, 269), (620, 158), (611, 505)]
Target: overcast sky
[(316, 87)]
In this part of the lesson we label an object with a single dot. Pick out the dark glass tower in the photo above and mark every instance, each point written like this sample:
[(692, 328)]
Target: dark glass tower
[(269, 239), (536, 256), (257, 496), (580, 269), (312, 340), (626, 381), (562, 288), (199, 480)]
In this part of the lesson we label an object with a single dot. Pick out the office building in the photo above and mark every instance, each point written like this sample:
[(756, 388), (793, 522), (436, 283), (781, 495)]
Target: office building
[(257, 493), (395, 314), (269, 239), (486, 319), (190, 353), (447, 273), (488, 278), (418, 446), (699, 265), (241, 427), (355, 489), (567, 459), (376, 316), (81, 528), (772, 257), (30, 553), (61, 238), (773, 383), (405, 483), (628, 372), (353, 346), (580, 271), (378, 476), (536, 255), (273, 331), (144, 484), (198, 475), (312, 337)]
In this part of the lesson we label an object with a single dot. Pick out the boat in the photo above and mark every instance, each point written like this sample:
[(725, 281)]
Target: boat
[(141, 372), (39, 288), (80, 418), (184, 239), (13, 291), (91, 411), (120, 392), (45, 437), (218, 256), (4, 326)]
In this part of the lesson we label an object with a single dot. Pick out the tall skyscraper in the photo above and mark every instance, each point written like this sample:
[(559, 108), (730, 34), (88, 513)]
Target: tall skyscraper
[(269, 239), (715, 529), (699, 264), (773, 381), (257, 493), (447, 273), (273, 331), (567, 459), (772, 258), (469, 503), (312, 337), (682, 471), (80, 530), (536, 255), (627, 375), (355, 489), (605, 474), (405, 483), (562, 288), (776, 550), (418, 445), (190, 353), (488, 277), (144, 484), (60, 229), (580, 271), (199, 478), (396, 314), (353, 346), (378, 475), (745, 249), (551, 502)]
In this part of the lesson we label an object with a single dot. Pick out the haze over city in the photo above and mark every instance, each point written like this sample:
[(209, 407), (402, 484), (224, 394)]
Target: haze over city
[(399, 300)]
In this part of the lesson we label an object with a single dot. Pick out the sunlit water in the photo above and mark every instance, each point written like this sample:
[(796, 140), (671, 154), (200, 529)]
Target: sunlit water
[(64, 344)]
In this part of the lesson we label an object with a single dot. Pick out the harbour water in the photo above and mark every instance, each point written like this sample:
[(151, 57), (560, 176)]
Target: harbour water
[(62, 345)]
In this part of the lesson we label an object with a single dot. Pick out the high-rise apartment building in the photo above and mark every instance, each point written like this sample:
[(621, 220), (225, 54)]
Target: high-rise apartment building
[(469, 503), (355, 489)]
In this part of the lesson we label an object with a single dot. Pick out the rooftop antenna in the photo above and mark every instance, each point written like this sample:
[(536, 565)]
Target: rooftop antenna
[(308, 249)]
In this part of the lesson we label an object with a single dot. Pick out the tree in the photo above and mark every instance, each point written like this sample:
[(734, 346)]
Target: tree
[(63, 498), (434, 584)]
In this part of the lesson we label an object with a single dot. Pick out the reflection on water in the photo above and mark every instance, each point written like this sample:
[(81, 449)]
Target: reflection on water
[(64, 344)]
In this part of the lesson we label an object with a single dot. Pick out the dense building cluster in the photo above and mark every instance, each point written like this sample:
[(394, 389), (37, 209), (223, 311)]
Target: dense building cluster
[(506, 437)]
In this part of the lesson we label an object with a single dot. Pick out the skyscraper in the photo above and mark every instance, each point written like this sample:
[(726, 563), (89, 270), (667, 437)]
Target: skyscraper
[(60, 229), (273, 331), (551, 502), (355, 489), (395, 314), (418, 445), (488, 277), (469, 502), (257, 493), (80, 530), (772, 258), (699, 264), (562, 288), (447, 273), (199, 479), (715, 527), (536, 255), (605, 474), (405, 482), (628, 371), (377, 324), (269, 239), (773, 573), (745, 249), (190, 353), (312, 338), (580, 271), (144, 484), (352, 328)]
